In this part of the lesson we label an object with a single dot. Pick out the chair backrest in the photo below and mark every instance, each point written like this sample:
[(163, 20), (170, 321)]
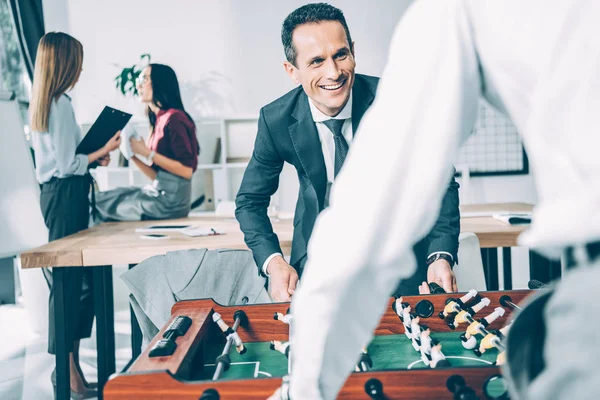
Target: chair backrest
[(21, 223), (469, 270)]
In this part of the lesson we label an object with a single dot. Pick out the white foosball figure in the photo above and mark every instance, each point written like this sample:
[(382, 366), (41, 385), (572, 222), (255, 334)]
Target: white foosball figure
[(406, 320), (415, 332), (237, 341), (398, 306), (438, 359), (425, 344), (285, 318)]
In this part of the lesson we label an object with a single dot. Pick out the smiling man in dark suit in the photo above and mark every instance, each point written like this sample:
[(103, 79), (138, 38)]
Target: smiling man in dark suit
[(312, 127)]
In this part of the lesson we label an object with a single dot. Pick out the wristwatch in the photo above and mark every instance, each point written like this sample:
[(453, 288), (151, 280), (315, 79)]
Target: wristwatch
[(151, 156), (438, 256)]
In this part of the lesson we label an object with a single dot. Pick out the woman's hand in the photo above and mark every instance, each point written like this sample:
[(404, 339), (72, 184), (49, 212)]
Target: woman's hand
[(113, 143), (138, 146), (104, 161)]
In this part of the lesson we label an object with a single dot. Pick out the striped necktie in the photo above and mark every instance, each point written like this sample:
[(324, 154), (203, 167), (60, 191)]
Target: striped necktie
[(341, 146)]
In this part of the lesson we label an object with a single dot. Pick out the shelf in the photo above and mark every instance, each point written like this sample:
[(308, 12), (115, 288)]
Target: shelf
[(236, 165), (209, 166)]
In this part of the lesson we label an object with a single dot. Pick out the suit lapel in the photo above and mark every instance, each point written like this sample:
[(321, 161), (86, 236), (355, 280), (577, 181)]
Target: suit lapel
[(305, 139), (362, 98)]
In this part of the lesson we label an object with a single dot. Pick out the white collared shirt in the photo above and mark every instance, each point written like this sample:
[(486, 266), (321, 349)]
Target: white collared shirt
[(537, 60), (55, 149)]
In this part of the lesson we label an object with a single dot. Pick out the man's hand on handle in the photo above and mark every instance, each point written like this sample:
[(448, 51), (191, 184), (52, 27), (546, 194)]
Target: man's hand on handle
[(441, 273), (283, 279)]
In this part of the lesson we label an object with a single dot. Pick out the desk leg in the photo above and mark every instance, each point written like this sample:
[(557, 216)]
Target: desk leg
[(63, 377), (542, 268), (490, 267), (105, 324), (136, 332), (507, 262)]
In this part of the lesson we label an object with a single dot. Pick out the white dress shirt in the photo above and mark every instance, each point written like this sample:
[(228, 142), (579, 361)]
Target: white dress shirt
[(537, 60), (55, 149)]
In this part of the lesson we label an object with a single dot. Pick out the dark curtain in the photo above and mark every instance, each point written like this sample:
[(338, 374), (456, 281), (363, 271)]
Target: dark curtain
[(29, 23)]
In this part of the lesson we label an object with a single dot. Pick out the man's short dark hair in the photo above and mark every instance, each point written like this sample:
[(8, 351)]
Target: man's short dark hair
[(310, 13)]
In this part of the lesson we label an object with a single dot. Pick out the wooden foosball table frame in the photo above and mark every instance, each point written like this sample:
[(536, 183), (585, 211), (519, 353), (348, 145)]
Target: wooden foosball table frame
[(168, 377)]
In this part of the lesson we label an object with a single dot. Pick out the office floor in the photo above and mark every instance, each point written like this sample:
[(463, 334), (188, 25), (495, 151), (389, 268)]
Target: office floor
[(25, 365)]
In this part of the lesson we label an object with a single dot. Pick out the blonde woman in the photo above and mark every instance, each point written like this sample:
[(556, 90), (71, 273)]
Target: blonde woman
[(65, 182)]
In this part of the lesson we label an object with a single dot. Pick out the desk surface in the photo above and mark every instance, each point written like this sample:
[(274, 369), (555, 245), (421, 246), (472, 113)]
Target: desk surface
[(118, 243)]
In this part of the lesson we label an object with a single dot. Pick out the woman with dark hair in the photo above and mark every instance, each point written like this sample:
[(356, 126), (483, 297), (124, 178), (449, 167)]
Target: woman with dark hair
[(171, 156)]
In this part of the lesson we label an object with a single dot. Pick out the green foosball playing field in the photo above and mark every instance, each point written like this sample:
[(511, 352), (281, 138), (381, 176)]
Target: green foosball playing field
[(387, 353)]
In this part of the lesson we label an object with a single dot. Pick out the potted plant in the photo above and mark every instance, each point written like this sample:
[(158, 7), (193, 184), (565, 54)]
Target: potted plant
[(126, 80), (126, 84)]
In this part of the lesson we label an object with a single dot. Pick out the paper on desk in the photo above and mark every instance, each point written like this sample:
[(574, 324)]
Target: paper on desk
[(514, 218), (195, 231)]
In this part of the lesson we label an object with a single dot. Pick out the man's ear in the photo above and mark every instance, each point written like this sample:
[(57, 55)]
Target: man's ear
[(352, 50), (291, 71)]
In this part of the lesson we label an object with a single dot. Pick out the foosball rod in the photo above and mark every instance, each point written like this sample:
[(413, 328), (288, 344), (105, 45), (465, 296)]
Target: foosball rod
[(506, 301), (225, 353)]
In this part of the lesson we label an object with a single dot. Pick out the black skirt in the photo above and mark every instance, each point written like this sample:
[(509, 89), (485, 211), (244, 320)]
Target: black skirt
[(66, 209)]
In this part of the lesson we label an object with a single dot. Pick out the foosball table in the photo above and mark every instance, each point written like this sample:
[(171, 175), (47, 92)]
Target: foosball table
[(441, 346)]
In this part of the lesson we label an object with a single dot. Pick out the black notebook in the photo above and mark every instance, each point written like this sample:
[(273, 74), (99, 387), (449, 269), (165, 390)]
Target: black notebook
[(109, 122)]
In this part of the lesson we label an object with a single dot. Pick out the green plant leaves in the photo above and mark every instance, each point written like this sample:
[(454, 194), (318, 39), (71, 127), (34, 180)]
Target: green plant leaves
[(125, 82)]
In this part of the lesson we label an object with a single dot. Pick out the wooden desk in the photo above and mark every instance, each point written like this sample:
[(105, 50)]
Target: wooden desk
[(118, 243), (494, 234)]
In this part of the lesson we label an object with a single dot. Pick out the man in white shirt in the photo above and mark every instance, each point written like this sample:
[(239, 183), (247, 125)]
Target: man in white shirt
[(312, 128), (540, 62)]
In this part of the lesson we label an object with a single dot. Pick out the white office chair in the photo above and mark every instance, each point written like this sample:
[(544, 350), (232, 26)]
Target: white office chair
[(469, 270)]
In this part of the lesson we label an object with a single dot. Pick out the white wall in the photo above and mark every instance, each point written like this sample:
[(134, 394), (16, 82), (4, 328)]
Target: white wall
[(228, 54)]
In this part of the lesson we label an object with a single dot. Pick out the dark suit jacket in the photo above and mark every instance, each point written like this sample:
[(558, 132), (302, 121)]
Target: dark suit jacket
[(287, 133)]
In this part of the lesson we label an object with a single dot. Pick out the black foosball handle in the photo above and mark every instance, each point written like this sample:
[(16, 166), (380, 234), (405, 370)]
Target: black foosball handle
[(210, 394), (242, 317), (374, 389), (456, 385)]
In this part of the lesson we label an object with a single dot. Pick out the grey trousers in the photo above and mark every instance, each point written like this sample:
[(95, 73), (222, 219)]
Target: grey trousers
[(168, 197), (553, 347)]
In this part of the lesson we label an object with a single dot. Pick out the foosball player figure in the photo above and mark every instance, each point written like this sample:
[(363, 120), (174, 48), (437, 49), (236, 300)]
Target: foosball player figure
[(286, 319), (415, 332), (455, 305), (491, 340), (469, 340), (365, 363), (425, 344), (406, 320), (237, 341), (467, 314), (397, 306), (282, 347), (438, 359)]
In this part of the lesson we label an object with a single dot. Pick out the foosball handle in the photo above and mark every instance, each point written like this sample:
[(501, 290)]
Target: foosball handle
[(210, 394), (456, 384), (374, 389), (242, 316)]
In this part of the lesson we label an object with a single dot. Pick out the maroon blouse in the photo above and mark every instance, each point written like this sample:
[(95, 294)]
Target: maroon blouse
[(175, 137)]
